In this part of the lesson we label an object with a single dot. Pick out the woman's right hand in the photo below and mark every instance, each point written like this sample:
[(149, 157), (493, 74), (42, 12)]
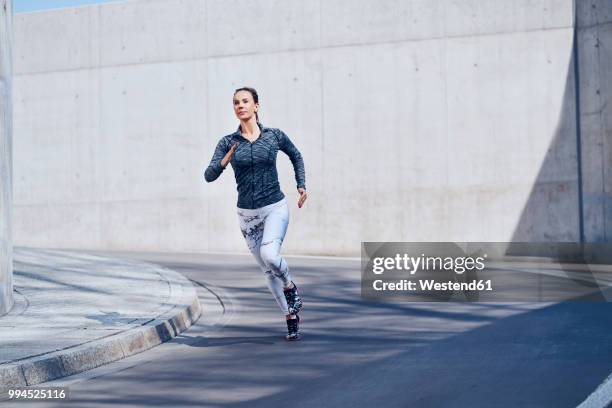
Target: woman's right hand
[(228, 156)]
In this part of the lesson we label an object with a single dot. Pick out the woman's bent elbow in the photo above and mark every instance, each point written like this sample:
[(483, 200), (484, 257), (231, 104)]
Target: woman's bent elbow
[(209, 177)]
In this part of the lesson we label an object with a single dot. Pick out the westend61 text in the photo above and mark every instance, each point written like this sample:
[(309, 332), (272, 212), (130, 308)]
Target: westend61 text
[(411, 264), (432, 285)]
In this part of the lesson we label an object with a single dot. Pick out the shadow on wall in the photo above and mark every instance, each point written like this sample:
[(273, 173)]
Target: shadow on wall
[(569, 201), (552, 211)]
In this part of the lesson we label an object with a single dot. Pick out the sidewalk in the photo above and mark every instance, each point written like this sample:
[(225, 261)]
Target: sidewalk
[(74, 312)]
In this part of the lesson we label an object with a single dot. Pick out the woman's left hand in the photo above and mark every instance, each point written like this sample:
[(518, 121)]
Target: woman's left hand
[(303, 196)]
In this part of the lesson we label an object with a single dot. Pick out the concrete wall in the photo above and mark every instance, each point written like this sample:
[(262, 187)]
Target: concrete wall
[(594, 21), (6, 185), (418, 120)]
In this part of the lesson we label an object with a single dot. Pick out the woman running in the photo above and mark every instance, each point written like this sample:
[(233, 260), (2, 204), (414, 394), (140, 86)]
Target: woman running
[(262, 207)]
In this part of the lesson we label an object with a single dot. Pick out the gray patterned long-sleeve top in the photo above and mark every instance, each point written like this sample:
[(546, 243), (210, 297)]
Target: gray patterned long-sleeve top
[(254, 166)]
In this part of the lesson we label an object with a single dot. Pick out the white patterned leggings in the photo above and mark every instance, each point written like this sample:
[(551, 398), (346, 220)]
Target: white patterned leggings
[(264, 230)]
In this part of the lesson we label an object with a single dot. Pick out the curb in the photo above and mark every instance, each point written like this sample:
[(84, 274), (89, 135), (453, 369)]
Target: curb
[(184, 310)]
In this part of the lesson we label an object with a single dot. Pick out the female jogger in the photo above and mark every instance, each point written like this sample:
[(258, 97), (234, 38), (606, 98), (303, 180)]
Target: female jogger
[(263, 212)]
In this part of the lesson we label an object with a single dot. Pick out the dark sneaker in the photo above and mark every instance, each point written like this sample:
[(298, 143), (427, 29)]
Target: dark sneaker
[(294, 301), (293, 329)]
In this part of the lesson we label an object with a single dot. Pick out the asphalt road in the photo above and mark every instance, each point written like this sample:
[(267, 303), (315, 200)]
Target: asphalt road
[(353, 353)]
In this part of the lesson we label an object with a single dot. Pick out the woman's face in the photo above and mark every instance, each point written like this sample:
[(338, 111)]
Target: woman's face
[(244, 106)]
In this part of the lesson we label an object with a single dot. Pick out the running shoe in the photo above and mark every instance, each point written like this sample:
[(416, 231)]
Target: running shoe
[(294, 301), (293, 329)]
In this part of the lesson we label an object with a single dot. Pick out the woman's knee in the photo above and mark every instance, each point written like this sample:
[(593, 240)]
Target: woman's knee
[(269, 254)]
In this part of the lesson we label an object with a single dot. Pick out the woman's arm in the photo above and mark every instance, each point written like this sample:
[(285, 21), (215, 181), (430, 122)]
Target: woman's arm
[(219, 160), (298, 165), (295, 156)]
